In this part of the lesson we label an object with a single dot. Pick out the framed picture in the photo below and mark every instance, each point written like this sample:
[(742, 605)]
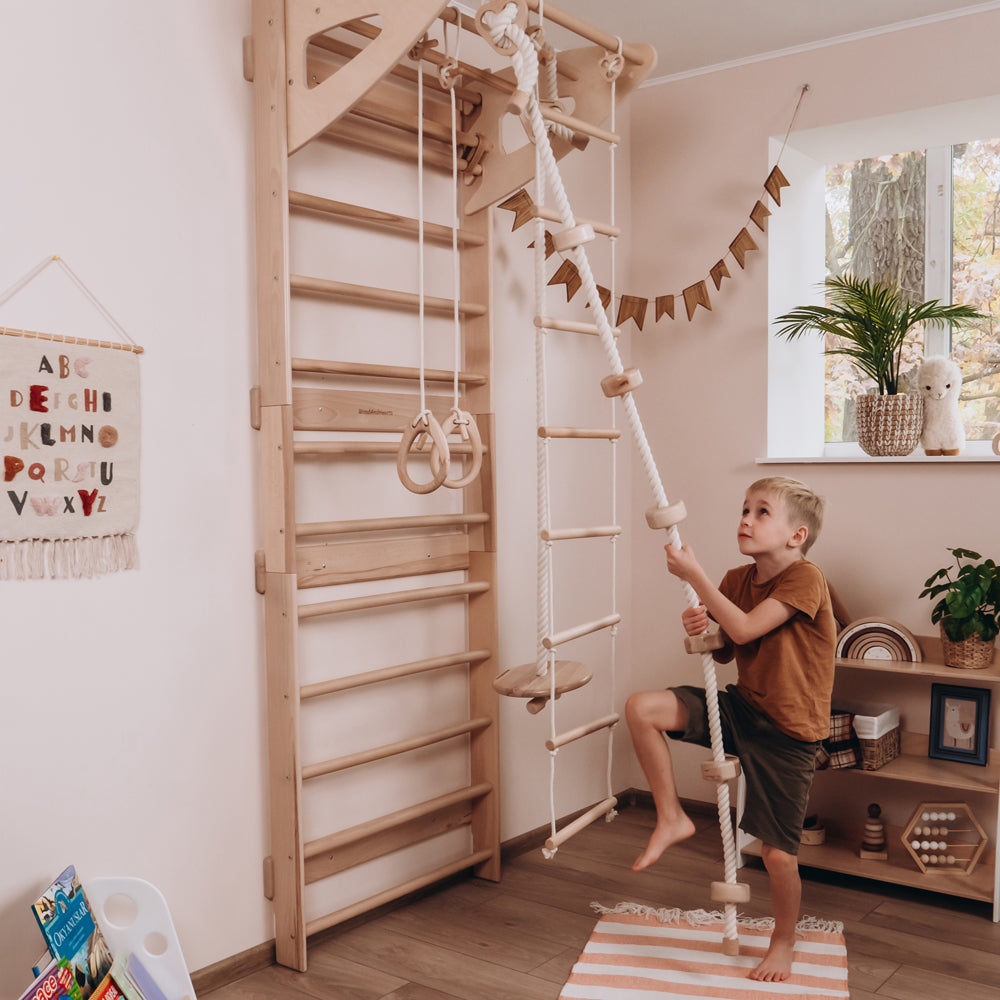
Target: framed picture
[(960, 724)]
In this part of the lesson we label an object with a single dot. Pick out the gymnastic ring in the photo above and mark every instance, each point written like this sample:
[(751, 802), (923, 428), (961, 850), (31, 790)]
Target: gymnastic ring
[(996, 444), (423, 424), (466, 426)]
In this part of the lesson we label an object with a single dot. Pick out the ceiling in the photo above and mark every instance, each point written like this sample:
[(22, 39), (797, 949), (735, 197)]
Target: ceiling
[(693, 35)]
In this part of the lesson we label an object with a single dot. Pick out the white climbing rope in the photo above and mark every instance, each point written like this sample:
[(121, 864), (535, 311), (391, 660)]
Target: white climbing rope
[(524, 59)]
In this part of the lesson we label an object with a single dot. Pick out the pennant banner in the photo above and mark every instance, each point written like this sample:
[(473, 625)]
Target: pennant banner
[(634, 307), (69, 436)]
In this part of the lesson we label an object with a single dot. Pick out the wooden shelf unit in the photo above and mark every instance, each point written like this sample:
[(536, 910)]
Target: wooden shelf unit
[(914, 766)]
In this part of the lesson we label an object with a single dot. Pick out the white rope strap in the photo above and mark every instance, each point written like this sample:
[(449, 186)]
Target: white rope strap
[(525, 63)]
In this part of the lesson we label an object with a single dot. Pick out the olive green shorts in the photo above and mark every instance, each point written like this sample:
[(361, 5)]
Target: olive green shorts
[(777, 768)]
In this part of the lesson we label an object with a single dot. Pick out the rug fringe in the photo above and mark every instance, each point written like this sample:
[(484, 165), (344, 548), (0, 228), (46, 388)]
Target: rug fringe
[(699, 918)]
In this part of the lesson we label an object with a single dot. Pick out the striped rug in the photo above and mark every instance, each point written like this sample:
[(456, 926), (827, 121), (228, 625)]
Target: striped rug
[(635, 953)]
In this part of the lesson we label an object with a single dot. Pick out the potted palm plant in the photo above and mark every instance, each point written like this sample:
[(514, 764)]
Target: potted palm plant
[(967, 608), (873, 322)]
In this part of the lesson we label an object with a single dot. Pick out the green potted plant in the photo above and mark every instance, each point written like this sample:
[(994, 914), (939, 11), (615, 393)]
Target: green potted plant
[(967, 608), (873, 321)]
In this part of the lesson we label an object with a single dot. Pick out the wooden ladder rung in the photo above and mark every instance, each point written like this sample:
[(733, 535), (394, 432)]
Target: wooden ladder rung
[(580, 731), (367, 448), (606, 433), (594, 813), (304, 284), (553, 641), (570, 326), (391, 821), (387, 220), (564, 534), (320, 688), (388, 895), (551, 215), (633, 53), (392, 749), (392, 599), (318, 367), (372, 110), (405, 523), (551, 114)]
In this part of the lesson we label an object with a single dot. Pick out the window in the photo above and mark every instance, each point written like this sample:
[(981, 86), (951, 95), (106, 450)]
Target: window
[(926, 217)]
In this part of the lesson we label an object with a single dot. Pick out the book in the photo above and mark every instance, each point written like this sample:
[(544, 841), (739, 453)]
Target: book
[(107, 989), (134, 980), (41, 963), (71, 932), (54, 981)]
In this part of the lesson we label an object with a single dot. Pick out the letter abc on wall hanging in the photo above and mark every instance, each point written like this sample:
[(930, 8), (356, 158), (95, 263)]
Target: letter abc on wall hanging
[(878, 639)]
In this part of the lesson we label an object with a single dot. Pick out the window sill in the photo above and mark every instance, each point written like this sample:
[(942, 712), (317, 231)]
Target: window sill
[(863, 459)]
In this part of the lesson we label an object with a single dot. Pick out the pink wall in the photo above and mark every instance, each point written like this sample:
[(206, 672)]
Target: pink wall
[(699, 159)]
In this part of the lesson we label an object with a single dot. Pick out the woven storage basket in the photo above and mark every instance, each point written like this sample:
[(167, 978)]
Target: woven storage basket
[(878, 753), (889, 425), (969, 654)]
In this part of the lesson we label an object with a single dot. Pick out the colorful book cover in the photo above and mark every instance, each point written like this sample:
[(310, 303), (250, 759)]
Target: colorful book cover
[(69, 927), (134, 980), (107, 989), (54, 981)]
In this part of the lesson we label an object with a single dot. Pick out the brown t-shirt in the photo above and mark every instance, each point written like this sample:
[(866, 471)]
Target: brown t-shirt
[(788, 673)]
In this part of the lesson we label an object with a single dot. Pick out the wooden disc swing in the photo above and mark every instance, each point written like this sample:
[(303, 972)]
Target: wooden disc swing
[(504, 23)]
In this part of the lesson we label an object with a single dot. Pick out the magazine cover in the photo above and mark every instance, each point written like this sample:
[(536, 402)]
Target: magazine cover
[(71, 931), (54, 981)]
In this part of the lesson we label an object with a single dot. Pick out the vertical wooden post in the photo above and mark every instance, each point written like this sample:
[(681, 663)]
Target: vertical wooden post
[(277, 479)]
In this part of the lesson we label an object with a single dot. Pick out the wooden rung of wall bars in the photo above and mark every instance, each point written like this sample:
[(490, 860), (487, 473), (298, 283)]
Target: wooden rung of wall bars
[(388, 895), (382, 114), (568, 635), (578, 125), (304, 284), (373, 827), (393, 749), (373, 217), (603, 433), (366, 448), (321, 688), (389, 524), (632, 53), (571, 326), (565, 534), (551, 215), (580, 731), (359, 133), (391, 599), (595, 813), (320, 367)]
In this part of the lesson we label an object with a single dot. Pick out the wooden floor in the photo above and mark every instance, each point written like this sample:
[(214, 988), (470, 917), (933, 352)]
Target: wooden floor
[(517, 940)]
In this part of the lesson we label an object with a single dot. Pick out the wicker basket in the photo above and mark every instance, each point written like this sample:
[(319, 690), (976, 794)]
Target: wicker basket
[(889, 425), (969, 654), (878, 753)]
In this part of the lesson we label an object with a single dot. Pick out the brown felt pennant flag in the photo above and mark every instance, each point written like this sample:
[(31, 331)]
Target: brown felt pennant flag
[(550, 246), (568, 275), (521, 205), (741, 246), (774, 183), (719, 272), (758, 214), (664, 304)]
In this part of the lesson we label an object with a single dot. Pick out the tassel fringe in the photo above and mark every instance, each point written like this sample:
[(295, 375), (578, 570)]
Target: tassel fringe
[(699, 918), (64, 558)]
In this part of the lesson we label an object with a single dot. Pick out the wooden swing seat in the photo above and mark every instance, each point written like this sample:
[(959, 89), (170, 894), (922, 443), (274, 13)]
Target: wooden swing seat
[(524, 681)]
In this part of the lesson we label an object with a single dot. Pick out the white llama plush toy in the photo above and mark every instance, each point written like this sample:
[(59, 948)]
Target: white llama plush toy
[(939, 381)]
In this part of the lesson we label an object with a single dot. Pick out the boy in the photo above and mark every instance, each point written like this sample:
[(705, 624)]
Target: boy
[(776, 618)]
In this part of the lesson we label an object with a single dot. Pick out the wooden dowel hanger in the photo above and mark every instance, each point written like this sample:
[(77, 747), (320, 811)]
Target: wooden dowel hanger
[(580, 27)]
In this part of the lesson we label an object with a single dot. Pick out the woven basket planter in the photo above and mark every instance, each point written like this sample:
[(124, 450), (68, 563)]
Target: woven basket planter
[(969, 654), (889, 425)]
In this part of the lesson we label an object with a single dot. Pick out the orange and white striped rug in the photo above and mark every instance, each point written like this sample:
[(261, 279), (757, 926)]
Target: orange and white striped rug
[(635, 953)]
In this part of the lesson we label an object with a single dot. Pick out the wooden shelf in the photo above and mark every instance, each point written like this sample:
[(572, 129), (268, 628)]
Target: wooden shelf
[(834, 856), (931, 666)]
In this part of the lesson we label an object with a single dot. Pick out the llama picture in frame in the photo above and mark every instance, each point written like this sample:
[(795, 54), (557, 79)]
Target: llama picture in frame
[(960, 724)]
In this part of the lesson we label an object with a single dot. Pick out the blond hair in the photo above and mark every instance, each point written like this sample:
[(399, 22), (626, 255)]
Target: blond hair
[(803, 505)]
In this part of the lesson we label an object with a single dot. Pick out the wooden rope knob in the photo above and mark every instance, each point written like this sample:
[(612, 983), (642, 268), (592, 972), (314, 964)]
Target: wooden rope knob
[(726, 770), (517, 103), (495, 7), (422, 426), (731, 947), (666, 517), (459, 420), (704, 643), (569, 239), (730, 892), (618, 385)]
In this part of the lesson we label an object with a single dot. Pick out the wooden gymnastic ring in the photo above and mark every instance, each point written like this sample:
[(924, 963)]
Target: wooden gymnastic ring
[(996, 444), (466, 426), (497, 7), (439, 448)]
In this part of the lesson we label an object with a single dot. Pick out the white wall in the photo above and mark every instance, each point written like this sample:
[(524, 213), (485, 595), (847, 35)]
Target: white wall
[(133, 724), (697, 171)]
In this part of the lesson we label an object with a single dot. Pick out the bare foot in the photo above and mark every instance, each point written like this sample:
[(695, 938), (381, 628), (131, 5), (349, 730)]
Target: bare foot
[(663, 836), (776, 966)]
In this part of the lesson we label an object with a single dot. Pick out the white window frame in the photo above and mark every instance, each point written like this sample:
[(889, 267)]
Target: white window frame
[(796, 259)]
